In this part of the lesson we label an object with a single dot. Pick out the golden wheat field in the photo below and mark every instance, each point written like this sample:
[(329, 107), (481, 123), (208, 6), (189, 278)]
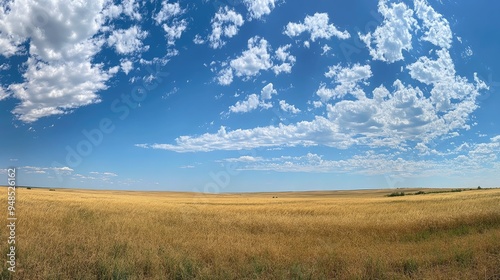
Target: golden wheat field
[(84, 234)]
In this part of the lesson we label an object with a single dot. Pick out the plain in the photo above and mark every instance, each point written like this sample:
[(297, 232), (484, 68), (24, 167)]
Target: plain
[(86, 234)]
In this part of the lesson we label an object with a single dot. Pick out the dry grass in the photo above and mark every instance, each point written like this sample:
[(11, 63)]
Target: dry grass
[(73, 234)]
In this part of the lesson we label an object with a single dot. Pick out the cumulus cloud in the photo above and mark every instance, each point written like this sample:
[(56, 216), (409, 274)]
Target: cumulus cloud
[(225, 23), (255, 59), (267, 91), (447, 86), (471, 159), (126, 66), (198, 40), (287, 60), (3, 94), (251, 103), (168, 18), (131, 9), (318, 27), (168, 11), (347, 80), (389, 119), (437, 28), (126, 41), (259, 8), (225, 77), (303, 133), (52, 89), (389, 40), (326, 49), (250, 63), (243, 159), (288, 107), (394, 117), (60, 75)]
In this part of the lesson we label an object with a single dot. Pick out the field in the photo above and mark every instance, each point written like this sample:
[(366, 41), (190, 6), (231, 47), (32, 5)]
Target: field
[(83, 234)]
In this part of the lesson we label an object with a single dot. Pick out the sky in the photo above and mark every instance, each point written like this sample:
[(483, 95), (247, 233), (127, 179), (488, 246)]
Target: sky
[(250, 96)]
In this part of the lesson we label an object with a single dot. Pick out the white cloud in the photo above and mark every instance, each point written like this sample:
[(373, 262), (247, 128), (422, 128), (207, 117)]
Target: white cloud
[(126, 66), (55, 31), (244, 159), (389, 119), (168, 11), (317, 104), (392, 119), (62, 42), (174, 30), (250, 104), (253, 102), (372, 163), (288, 107), (393, 36), (466, 160), (447, 86), (225, 23), (317, 25), (3, 94), (287, 60), (305, 133), (259, 8), (468, 52), (168, 18), (225, 77), (326, 49), (198, 40), (113, 11), (131, 9), (437, 28), (348, 79), (253, 60), (43, 170), (128, 41), (104, 174), (52, 89), (267, 91), (401, 117)]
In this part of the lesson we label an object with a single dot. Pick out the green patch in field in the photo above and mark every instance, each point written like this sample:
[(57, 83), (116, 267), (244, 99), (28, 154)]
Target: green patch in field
[(298, 272), (258, 266), (118, 250), (447, 231), (418, 236), (120, 273), (187, 269), (460, 230), (115, 271), (464, 258), (410, 267), (6, 274), (374, 269)]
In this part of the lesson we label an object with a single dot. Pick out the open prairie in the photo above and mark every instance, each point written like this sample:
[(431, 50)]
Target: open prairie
[(84, 234)]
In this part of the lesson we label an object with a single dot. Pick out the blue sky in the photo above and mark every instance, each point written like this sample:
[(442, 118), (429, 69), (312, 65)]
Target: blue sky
[(242, 95)]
